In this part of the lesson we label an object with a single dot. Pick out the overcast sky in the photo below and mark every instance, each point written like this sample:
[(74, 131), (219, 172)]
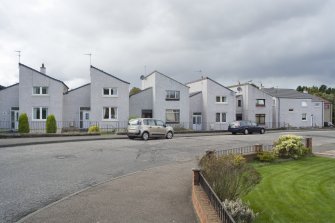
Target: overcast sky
[(282, 43)]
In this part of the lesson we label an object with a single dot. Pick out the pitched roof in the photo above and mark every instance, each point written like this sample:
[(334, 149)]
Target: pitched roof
[(155, 71), (195, 93), (286, 93), (317, 99), (109, 75), (4, 88), (204, 78), (77, 88), (20, 64)]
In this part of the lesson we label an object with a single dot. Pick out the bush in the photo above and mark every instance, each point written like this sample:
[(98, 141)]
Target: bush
[(94, 129), (229, 176), (290, 146), (241, 212), (266, 156), (23, 123), (51, 125)]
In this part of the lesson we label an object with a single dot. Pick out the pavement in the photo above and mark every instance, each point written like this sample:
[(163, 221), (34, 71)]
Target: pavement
[(161, 194), (21, 141)]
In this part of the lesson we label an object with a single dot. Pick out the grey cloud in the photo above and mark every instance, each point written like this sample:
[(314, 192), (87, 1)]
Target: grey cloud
[(228, 40)]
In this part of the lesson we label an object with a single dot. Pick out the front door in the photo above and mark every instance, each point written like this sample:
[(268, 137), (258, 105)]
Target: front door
[(14, 119), (84, 119), (197, 121)]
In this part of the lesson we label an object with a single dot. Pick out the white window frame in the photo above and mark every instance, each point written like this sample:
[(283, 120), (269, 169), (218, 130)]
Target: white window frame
[(304, 104), (174, 111), (221, 101), (221, 117), (109, 92), (302, 117), (239, 103), (110, 113), (260, 100), (41, 112), (175, 93), (41, 90)]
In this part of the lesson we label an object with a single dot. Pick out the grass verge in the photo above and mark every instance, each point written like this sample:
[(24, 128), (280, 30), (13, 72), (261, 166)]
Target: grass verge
[(295, 191)]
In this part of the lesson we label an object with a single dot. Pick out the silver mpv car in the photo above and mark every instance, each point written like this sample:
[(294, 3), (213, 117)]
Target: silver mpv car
[(146, 128)]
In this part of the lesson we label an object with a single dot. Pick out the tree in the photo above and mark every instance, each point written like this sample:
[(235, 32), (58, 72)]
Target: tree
[(134, 90), (323, 88), (23, 123), (299, 88), (51, 126)]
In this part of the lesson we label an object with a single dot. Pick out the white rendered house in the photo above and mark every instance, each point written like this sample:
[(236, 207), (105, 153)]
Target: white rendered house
[(212, 105), (162, 98)]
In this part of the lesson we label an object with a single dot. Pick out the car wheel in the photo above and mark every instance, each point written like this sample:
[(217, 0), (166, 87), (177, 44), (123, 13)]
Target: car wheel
[(246, 132), (262, 131), (145, 136), (169, 135)]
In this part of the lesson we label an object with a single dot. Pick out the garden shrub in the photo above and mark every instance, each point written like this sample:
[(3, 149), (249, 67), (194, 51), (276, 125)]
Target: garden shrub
[(23, 123), (240, 211), (266, 156), (51, 125), (229, 176), (94, 129), (290, 146)]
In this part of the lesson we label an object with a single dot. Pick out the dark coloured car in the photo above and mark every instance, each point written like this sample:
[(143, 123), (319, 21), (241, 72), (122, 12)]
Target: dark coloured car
[(245, 127)]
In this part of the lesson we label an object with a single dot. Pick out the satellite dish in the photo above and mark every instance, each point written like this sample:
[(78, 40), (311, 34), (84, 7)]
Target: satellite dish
[(142, 77)]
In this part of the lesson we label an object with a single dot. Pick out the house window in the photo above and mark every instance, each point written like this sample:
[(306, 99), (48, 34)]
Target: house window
[(221, 99), (317, 104), (172, 95), (109, 92), (239, 103), (303, 104), (221, 117), (260, 119), (40, 113), (40, 90), (327, 106), (172, 115), (260, 102), (291, 109), (109, 113), (303, 116)]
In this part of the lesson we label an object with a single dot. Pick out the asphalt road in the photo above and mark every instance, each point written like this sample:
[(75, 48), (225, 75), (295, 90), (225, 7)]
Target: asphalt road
[(33, 176)]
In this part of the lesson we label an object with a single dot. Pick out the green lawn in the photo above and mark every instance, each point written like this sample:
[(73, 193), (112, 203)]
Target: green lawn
[(295, 191)]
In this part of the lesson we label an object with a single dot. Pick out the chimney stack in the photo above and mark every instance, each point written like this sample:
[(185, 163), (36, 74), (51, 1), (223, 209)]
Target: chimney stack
[(43, 69)]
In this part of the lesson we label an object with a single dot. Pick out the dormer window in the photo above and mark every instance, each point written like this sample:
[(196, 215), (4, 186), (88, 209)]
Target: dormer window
[(37, 90), (109, 92), (172, 95)]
